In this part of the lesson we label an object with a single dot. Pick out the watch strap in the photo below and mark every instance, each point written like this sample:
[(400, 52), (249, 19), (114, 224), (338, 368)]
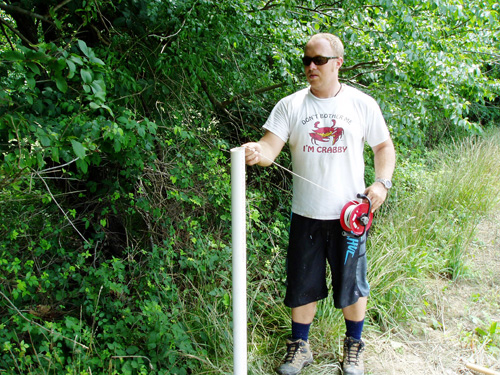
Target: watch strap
[(387, 183)]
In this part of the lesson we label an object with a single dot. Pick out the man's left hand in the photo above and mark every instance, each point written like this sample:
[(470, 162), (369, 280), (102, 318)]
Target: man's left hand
[(377, 194)]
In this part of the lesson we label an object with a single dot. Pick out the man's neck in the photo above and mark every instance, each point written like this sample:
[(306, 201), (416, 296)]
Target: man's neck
[(331, 92)]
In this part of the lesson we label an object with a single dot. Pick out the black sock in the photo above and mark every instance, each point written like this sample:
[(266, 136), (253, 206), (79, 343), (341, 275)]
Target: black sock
[(354, 329), (300, 331)]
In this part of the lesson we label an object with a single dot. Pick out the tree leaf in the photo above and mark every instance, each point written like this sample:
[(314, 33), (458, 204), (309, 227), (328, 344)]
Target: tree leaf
[(61, 84), (82, 164), (83, 47), (76, 59), (97, 61), (31, 82), (44, 140), (493, 328), (101, 95), (86, 75), (71, 67), (78, 149), (97, 86), (107, 109), (12, 56), (34, 67), (55, 154)]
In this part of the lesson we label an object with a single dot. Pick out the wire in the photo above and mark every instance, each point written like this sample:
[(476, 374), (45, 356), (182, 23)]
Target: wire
[(290, 171)]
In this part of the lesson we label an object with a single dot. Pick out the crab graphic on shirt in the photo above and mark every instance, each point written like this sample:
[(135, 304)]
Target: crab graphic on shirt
[(324, 134)]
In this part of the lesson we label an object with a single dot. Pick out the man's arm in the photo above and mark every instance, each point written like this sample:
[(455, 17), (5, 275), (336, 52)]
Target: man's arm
[(264, 151), (385, 161)]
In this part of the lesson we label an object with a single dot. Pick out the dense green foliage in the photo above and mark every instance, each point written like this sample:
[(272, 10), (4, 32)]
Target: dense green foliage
[(116, 118)]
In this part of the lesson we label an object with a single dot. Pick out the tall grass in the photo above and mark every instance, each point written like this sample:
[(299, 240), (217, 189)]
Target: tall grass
[(431, 222)]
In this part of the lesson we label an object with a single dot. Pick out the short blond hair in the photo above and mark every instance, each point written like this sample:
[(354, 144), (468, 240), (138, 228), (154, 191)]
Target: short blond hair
[(335, 42)]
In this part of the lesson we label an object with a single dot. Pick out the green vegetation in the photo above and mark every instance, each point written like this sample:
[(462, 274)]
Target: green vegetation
[(116, 118)]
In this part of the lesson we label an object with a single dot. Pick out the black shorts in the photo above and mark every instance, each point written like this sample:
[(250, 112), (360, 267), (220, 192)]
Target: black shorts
[(313, 243)]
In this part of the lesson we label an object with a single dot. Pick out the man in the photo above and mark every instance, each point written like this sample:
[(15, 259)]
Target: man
[(326, 126)]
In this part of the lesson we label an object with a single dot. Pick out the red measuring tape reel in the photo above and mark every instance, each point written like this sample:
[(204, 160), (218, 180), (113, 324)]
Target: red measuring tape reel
[(356, 218)]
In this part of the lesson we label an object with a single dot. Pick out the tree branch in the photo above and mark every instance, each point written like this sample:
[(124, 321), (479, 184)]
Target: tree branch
[(491, 54), (353, 83), (57, 7), (215, 103), (99, 35), (320, 9), (371, 71), (178, 31), (270, 4), (213, 100), (15, 31), (57, 204), (11, 9), (6, 36), (358, 65), (315, 10)]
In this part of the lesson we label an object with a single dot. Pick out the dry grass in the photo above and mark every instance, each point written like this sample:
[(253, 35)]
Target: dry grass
[(445, 333)]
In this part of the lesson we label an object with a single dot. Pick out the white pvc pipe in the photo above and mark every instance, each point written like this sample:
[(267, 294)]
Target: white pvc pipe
[(238, 214)]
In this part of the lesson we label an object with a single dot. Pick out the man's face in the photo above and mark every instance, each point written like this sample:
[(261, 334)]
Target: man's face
[(321, 77)]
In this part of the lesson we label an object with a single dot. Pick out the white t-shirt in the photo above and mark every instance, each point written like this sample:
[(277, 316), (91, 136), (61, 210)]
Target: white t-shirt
[(326, 138)]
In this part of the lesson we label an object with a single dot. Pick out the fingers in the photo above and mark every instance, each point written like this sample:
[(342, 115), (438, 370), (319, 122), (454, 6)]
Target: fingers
[(377, 195), (252, 153), (252, 158)]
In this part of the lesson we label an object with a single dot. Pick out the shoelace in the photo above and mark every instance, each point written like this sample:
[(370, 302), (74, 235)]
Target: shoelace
[(353, 350), (293, 348)]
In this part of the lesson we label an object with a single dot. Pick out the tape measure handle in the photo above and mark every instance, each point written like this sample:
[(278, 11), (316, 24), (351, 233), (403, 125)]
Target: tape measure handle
[(365, 219), (363, 196)]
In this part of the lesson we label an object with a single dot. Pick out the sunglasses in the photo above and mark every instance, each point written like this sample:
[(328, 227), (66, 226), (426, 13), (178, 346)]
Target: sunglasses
[(317, 60)]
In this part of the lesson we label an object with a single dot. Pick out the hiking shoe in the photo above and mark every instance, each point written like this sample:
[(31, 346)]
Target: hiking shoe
[(298, 356), (353, 357)]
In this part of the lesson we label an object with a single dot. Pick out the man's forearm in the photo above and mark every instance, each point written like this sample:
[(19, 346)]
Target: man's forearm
[(384, 160), (264, 151)]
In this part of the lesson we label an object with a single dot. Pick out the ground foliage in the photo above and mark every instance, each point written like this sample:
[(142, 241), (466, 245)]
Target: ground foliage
[(116, 118)]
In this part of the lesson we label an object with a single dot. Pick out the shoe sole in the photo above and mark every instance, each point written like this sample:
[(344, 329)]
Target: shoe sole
[(307, 363)]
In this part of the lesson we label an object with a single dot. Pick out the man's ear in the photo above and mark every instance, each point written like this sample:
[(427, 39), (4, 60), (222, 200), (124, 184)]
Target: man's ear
[(339, 62)]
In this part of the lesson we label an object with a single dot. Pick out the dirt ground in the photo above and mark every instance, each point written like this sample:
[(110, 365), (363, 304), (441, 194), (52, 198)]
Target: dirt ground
[(446, 339)]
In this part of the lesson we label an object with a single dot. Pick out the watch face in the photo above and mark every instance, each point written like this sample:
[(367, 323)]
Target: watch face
[(386, 183)]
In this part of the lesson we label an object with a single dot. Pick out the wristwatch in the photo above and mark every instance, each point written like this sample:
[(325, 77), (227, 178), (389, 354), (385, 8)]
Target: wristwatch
[(387, 183)]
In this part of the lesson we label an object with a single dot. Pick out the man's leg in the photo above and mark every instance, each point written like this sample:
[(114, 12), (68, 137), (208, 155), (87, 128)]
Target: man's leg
[(356, 312), (299, 353), (304, 314), (306, 270), (347, 258), (302, 318), (354, 316)]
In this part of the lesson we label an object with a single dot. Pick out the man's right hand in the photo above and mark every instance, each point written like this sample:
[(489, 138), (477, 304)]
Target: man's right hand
[(253, 151), (263, 152)]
